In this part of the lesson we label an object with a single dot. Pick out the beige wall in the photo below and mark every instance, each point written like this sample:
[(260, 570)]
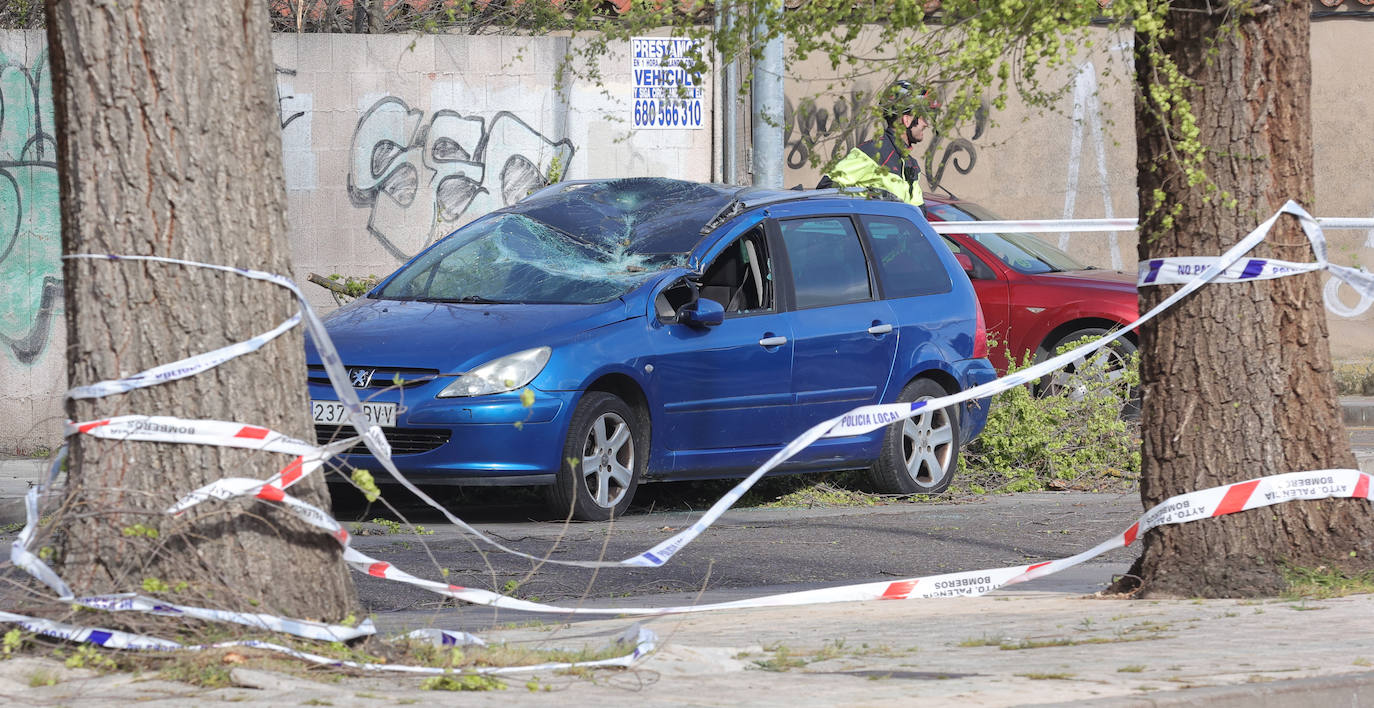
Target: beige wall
[(1078, 159)]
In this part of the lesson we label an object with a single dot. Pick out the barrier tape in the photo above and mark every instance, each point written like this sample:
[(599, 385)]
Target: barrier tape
[(644, 639), (130, 602), (1182, 508), (187, 367), (167, 429), (1056, 226), (860, 420)]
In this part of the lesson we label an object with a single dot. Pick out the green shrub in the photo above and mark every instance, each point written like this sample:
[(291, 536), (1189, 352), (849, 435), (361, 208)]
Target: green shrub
[(1073, 436), (1355, 378)]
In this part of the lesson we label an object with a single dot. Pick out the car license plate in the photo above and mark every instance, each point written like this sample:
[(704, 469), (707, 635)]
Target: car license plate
[(383, 414)]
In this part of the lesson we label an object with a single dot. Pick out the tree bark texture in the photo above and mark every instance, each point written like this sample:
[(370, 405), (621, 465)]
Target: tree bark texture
[(1237, 378), (169, 145)]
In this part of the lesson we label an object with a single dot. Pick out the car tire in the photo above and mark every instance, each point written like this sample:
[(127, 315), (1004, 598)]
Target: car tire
[(920, 453), (1118, 350), (603, 459)]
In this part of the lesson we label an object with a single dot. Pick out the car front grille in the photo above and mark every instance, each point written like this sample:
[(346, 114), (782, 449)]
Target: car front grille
[(404, 441), (381, 376)]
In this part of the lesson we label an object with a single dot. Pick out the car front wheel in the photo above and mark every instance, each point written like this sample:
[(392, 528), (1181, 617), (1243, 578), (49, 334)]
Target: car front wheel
[(919, 453), (1106, 369), (603, 459)]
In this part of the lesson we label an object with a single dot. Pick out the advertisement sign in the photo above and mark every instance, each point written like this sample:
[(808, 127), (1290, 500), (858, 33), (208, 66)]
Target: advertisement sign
[(666, 94)]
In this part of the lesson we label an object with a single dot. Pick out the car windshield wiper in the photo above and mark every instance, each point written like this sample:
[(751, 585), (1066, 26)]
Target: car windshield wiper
[(471, 299)]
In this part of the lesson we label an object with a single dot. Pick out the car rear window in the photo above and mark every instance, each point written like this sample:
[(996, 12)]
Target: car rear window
[(907, 264)]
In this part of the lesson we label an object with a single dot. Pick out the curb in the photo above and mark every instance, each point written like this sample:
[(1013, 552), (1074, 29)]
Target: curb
[(1338, 690), (1357, 411)]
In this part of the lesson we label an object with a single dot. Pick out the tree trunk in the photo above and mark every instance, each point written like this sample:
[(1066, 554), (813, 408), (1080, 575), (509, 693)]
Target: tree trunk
[(1237, 378), (169, 145)]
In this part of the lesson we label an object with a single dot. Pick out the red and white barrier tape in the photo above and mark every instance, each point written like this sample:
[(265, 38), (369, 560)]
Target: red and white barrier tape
[(860, 420), (1182, 508), (167, 429)]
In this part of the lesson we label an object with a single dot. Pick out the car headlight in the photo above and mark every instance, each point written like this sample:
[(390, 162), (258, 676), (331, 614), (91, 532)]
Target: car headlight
[(500, 375)]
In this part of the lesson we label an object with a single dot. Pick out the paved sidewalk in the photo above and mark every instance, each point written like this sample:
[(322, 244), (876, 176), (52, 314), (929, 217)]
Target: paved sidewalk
[(1014, 647)]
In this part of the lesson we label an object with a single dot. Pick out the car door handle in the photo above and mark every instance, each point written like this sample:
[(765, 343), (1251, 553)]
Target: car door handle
[(772, 341), (880, 329)]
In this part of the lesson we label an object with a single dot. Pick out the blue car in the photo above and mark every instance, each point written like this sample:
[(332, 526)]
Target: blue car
[(601, 334)]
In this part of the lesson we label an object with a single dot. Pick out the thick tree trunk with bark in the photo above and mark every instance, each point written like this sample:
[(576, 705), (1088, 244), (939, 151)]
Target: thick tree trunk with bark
[(1237, 378), (169, 145)]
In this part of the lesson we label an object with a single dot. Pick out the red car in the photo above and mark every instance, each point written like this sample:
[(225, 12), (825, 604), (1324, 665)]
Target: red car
[(1035, 297)]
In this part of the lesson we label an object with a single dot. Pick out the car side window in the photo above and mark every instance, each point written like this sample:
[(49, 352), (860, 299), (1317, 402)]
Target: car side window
[(828, 262), (906, 262), (981, 270), (741, 277)]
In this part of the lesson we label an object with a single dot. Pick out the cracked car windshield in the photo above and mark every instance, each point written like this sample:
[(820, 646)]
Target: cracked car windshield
[(590, 244), (512, 258)]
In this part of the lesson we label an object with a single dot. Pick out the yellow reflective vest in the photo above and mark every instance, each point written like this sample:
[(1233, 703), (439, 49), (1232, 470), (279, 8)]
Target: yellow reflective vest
[(864, 167)]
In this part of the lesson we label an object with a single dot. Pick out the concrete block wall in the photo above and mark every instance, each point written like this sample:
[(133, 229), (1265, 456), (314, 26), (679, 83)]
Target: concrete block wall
[(390, 142), (393, 141)]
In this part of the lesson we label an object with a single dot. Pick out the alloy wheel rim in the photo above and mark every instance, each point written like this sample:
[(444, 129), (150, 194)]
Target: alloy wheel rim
[(927, 444), (608, 455)]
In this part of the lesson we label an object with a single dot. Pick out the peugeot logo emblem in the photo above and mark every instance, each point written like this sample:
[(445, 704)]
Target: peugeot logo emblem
[(361, 378)]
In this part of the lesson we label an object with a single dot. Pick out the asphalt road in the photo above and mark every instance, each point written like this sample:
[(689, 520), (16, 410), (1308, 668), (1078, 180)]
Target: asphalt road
[(749, 552)]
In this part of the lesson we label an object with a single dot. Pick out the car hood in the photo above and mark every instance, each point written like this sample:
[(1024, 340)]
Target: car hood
[(453, 337), (1107, 279)]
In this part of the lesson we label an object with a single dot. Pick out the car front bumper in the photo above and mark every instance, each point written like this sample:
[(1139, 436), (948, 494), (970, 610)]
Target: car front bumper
[(491, 440)]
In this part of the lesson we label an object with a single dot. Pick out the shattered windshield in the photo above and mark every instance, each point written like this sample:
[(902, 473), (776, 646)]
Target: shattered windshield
[(638, 214), (512, 258)]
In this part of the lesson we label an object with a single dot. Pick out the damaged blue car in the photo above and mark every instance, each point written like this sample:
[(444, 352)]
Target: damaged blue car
[(598, 335)]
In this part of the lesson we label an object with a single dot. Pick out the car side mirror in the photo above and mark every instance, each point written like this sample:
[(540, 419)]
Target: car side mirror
[(965, 262), (703, 312)]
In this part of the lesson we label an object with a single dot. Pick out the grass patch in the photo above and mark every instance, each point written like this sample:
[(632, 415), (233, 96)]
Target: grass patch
[(468, 682), (1017, 645), (1067, 642), (1324, 582), (389, 527), (1036, 676), (1132, 669), (780, 657)]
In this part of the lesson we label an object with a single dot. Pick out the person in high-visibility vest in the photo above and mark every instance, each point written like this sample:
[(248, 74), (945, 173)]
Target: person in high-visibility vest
[(889, 160)]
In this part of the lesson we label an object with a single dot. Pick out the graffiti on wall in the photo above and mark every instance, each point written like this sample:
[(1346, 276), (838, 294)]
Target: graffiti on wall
[(811, 129), (420, 176), (30, 226), (1086, 125)]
